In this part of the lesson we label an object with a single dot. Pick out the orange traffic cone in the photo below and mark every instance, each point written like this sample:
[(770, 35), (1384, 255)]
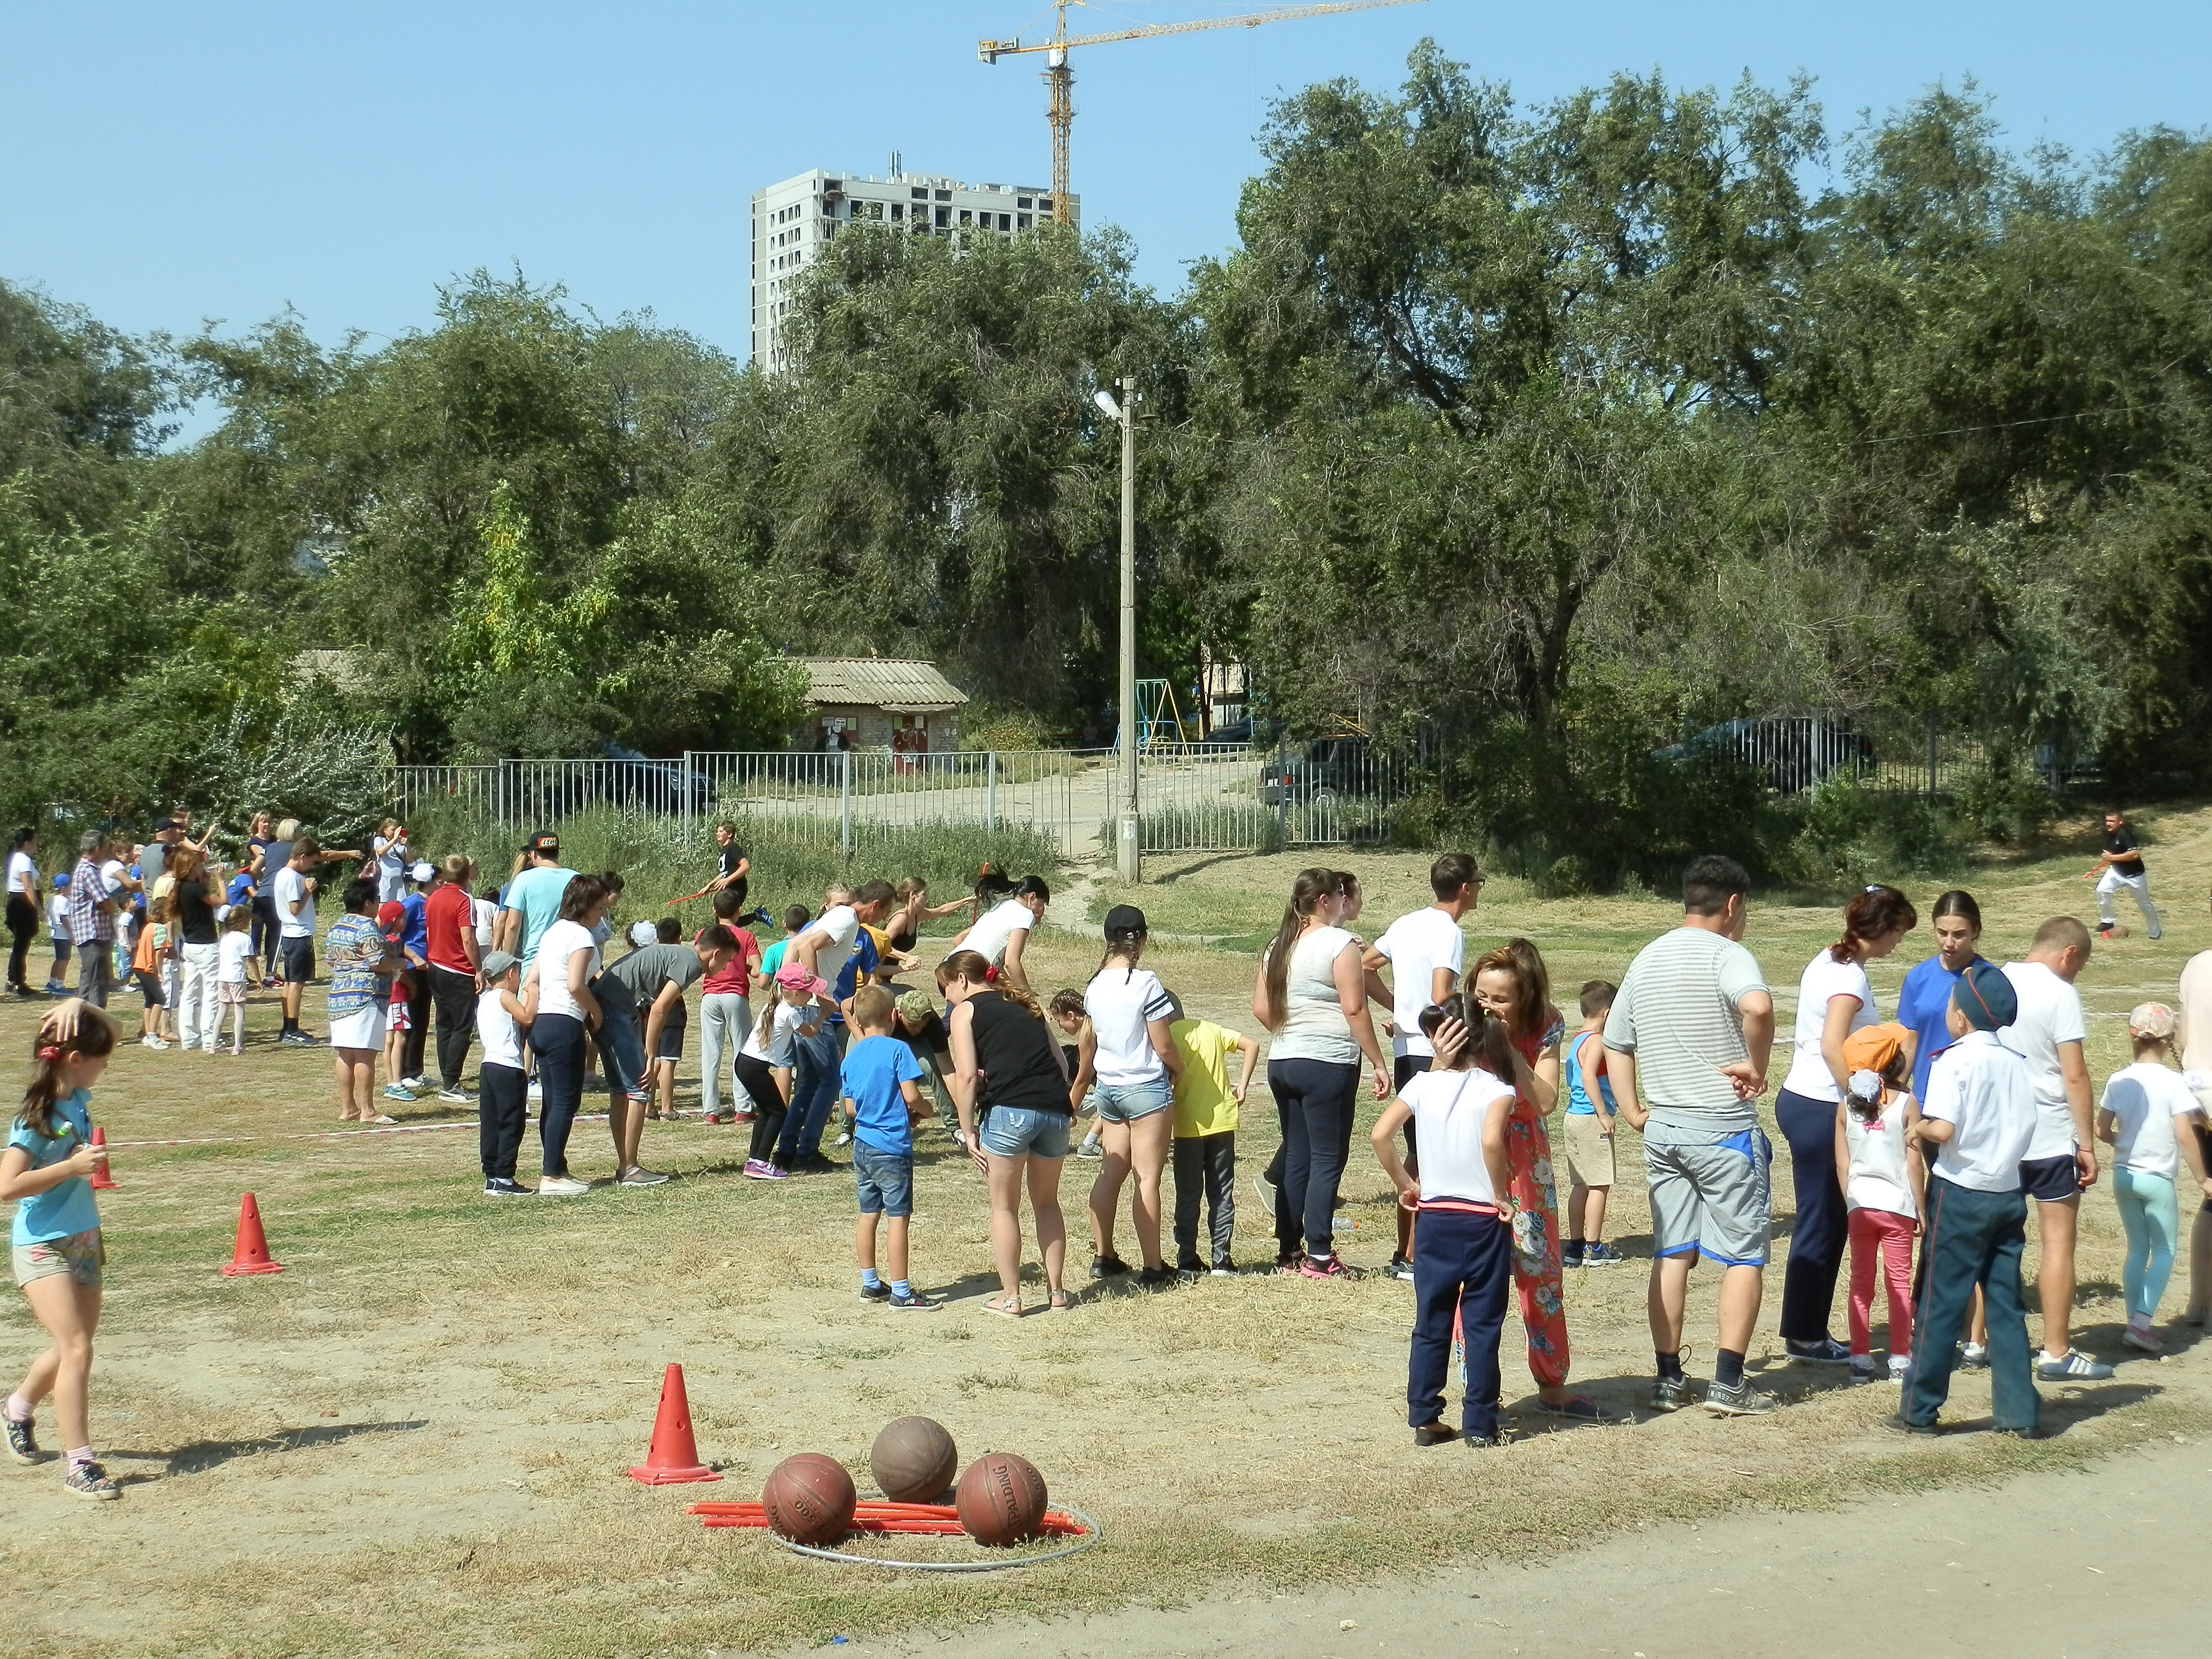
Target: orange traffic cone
[(672, 1458), (101, 1181), (250, 1254)]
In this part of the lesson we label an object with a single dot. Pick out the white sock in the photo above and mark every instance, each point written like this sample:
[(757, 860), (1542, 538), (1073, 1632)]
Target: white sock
[(76, 1455), (19, 1409)]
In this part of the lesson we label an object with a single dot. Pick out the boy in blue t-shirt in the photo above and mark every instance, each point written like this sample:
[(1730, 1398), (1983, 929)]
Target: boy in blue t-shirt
[(880, 1079)]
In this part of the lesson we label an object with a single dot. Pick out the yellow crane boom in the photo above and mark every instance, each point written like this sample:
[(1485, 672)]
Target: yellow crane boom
[(1060, 78)]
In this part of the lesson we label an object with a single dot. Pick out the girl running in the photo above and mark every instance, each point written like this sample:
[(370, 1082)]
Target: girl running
[(764, 1063), (1512, 983), (903, 926), (1882, 1187), (1311, 993), (1462, 1257), (1010, 1092), (47, 1171), (1125, 1046), (1002, 933), (2149, 1117)]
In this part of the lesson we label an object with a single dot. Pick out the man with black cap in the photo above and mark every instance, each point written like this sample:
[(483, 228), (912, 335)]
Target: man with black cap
[(533, 899), (1974, 1128)]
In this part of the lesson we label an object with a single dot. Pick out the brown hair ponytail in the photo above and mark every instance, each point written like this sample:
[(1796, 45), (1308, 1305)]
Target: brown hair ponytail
[(95, 1038), (1874, 911), (976, 967), (1307, 892)]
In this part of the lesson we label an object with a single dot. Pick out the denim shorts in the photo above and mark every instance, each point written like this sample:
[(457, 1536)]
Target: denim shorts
[(1125, 1102), (1024, 1131), (621, 1049), (885, 1180)]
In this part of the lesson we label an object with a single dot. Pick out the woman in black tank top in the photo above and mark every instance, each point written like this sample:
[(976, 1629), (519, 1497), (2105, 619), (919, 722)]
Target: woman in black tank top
[(1012, 1093)]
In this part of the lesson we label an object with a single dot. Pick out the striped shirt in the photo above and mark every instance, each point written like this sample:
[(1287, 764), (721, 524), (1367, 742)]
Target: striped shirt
[(1679, 1012)]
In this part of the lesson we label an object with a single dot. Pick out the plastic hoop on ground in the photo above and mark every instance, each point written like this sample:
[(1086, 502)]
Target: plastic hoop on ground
[(1077, 1548)]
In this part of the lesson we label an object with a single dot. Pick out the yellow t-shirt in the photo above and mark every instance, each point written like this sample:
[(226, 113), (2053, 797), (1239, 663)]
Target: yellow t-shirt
[(1203, 1104)]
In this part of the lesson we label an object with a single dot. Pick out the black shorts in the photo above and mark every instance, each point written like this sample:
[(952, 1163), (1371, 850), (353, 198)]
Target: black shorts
[(1404, 1070), (671, 1042), (2051, 1179), (296, 957)]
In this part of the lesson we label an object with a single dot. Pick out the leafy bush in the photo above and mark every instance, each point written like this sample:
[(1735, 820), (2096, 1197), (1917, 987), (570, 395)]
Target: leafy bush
[(1846, 836)]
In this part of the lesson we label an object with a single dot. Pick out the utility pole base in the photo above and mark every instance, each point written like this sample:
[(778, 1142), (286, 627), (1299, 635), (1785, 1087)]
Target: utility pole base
[(1126, 846)]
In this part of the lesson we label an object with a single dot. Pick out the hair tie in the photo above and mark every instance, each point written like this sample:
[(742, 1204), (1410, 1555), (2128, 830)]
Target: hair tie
[(48, 1051)]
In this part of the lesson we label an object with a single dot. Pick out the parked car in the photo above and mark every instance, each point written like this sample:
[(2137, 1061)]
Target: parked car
[(1235, 734), (1320, 770)]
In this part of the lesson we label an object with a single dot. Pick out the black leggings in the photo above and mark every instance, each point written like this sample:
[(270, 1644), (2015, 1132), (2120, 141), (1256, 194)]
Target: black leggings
[(502, 1103), (759, 1082), (23, 932), (1313, 1101)]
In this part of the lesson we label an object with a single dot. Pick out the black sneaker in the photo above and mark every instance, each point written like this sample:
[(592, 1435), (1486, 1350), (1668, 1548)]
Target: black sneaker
[(1741, 1400), (503, 1186), (1401, 1268), (1108, 1267), (916, 1302), (1151, 1277), (1672, 1394), (90, 1480), (1825, 1351), (878, 1291), (1570, 1253), (23, 1442), (1436, 1434)]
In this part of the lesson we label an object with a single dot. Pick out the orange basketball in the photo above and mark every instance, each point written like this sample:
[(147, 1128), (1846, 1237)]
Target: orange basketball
[(1001, 1499), (809, 1498)]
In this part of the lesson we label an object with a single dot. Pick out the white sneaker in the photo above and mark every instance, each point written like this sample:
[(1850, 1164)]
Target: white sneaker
[(1899, 1364), (561, 1187), (417, 1083), (1973, 1355), (152, 1041)]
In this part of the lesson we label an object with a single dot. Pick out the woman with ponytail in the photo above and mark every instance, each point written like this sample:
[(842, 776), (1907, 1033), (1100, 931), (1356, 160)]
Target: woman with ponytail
[(1001, 932), (46, 1172), (1010, 1087), (1311, 993), (1834, 999)]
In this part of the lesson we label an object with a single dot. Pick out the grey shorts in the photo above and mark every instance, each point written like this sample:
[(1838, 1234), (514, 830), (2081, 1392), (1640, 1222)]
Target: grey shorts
[(80, 1255), (1712, 1197), (885, 1180)]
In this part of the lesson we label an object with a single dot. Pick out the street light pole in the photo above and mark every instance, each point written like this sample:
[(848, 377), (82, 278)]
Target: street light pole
[(1126, 840)]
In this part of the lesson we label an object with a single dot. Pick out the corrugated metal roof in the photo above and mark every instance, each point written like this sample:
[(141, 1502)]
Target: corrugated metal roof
[(901, 686)]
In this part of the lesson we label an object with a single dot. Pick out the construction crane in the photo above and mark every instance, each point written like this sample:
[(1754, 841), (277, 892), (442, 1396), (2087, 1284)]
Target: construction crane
[(1060, 78)]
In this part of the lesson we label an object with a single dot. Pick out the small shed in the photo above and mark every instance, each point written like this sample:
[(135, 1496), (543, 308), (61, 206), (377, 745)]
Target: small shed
[(880, 702)]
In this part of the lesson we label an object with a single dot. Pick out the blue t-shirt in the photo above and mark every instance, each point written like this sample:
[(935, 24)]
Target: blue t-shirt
[(1921, 1008), (537, 893), (1578, 1100), (241, 888), (862, 960), (58, 1211), (874, 1068), (414, 927)]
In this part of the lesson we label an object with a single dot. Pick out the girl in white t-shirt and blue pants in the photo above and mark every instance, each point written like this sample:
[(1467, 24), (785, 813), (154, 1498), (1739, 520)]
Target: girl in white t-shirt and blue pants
[(2149, 1116), (1463, 1208)]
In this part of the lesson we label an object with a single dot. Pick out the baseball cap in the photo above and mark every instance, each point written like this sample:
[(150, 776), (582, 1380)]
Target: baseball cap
[(390, 915), (793, 977), (422, 870), (1986, 998), (641, 933), (2152, 1020), (1873, 1048), (497, 963), (62, 879), (1125, 919), (916, 1007), (545, 842)]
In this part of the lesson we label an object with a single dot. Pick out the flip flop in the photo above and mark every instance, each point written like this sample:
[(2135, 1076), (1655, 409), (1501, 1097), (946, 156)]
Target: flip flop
[(1004, 1309)]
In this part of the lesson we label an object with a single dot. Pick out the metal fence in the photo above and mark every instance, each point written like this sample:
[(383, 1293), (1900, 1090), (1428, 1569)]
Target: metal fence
[(1194, 799), (1796, 752)]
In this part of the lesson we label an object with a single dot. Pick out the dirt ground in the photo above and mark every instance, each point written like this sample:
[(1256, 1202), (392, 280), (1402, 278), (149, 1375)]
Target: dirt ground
[(412, 1441)]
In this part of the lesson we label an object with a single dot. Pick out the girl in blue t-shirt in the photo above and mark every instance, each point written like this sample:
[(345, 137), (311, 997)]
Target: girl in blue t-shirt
[(46, 1170), (1925, 1000)]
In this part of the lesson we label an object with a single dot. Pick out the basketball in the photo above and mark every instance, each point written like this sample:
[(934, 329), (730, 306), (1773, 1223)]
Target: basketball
[(809, 1498), (1001, 1499), (913, 1460)]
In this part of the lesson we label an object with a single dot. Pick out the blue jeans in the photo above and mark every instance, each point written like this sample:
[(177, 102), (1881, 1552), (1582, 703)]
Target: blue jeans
[(1971, 1238), (557, 1040), (814, 1089), (1313, 1101), (1462, 1268)]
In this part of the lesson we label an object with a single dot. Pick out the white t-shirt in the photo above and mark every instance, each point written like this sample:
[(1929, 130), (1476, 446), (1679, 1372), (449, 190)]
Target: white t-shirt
[(292, 888), (496, 1029), (996, 930), (1449, 1110), (1314, 1026), (1416, 945), (2144, 1100), (111, 875), (1878, 1179), (18, 868), (1122, 1004), (58, 914), (484, 914), (554, 947), (2195, 1004), (842, 930), (2050, 1014), (1980, 1087), (233, 951), (782, 1034), (390, 871), (1825, 979)]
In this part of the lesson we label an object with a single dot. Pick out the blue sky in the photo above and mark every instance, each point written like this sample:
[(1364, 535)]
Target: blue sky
[(169, 164)]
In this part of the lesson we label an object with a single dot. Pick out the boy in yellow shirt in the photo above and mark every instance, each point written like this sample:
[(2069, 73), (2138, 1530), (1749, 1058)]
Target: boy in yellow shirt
[(1206, 1105)]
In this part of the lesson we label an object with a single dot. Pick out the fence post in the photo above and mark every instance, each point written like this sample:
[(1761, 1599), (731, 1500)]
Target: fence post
[(990, 791), (845, 802), (1931, 757), (686, 783)]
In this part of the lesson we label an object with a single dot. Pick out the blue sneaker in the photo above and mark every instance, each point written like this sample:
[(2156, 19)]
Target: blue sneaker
[(1602, 1255), (1570, 1253)]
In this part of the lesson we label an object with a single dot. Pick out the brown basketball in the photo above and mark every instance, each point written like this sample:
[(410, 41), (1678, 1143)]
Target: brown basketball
[(913, 1460), (809, 1498), (1001, 1499)]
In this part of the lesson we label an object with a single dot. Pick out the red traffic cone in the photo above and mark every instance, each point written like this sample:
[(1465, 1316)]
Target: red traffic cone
[(672, 1458), (250, 1254), (101, 1181)]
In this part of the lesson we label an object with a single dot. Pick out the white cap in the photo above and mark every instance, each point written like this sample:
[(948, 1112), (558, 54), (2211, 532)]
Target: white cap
[(422, 872), (642, 933)]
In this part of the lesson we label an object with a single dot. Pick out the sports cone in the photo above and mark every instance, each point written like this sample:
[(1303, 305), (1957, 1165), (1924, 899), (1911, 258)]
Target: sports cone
[(250, 1254), (101, 1181), (672, 1459)]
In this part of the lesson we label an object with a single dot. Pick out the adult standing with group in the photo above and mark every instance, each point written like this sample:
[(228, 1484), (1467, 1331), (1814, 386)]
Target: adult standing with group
[(1311, 993), (456, 959), (1834, 999), (23, 909), (199, 1008)]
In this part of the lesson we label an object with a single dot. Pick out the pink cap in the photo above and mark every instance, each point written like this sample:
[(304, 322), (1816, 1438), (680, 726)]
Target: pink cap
[(793, 977)]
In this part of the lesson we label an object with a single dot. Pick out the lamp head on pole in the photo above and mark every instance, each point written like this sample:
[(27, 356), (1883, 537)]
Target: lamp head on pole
[(1107, 406)]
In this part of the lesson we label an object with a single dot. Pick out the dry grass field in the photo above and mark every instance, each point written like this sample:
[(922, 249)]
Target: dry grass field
[(411, 1442)]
